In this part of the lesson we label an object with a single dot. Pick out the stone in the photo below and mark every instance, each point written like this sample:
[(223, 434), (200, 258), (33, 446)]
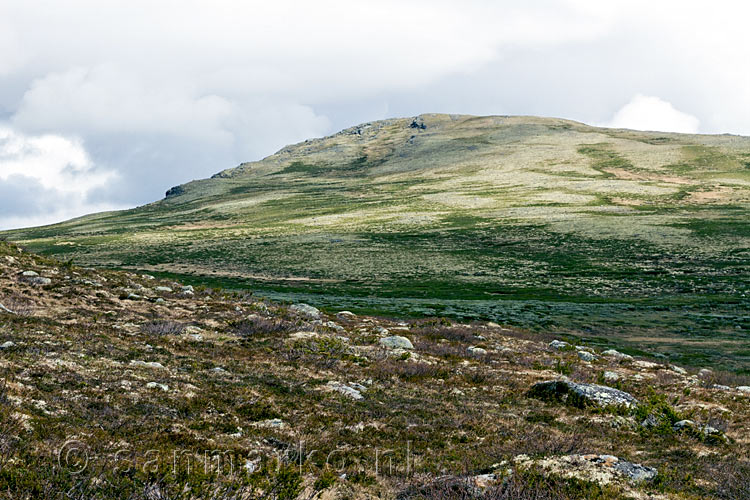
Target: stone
[(611, 353), (650, 421), (347, 315), (147, 364), (586, 356), (559, 345), (133, 296), (683, 424), (646, 365), (29, 274), (611, 376), (477, 351), (7, 344), (381, 331), (346, 390), (396, 342), (164, 289), (581, 395), (305, 310), (678, 369), (188, 288), (705, 372), (38, 281), (744, 388), (156, 385)]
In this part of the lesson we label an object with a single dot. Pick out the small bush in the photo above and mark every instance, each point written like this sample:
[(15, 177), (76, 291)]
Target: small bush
[(159, 328)]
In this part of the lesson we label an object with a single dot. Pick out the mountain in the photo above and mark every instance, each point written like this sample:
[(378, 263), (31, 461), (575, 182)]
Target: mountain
[(637, 238), (122, 385)]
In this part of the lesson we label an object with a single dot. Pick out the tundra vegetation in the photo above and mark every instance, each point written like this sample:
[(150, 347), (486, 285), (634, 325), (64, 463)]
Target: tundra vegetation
[(120, 385)]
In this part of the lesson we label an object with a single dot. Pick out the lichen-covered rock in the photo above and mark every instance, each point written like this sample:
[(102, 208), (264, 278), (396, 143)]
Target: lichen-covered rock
[(396, 342), (582, 395), (305, 310), (586, 356), (559, 345), (612, 353), (349, 390), (601, 469)]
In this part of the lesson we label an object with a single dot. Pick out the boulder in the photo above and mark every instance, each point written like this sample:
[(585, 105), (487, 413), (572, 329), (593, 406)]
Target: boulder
[(305, 310), (346, 315), (349, 390), (611, 353), (477, 351), (586, 356), (156, 385), (396, 342), (559, 345), (744, 388), (581, 395), (611, 376), (164, 289)]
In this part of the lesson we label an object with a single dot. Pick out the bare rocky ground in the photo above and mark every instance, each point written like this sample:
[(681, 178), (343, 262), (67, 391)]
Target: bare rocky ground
[(118, 385)]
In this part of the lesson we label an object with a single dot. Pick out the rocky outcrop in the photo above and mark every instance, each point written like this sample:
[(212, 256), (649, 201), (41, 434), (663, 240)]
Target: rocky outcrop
[(581, 395)]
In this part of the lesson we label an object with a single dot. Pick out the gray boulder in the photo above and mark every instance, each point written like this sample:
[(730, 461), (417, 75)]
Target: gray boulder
[(396, 342), (586, 356), (611, 353), (582, 395), (559, 345), (305, 310)]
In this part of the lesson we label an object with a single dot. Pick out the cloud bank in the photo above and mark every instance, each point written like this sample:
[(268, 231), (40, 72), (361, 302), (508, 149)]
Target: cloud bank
[(108, 104)]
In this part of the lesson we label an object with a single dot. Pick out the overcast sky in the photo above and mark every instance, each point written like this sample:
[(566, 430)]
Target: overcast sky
[(106, 104)]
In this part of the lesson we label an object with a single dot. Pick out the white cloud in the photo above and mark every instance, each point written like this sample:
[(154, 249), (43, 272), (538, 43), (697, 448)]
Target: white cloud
[(45, 177), (164, 92), (651, 113)]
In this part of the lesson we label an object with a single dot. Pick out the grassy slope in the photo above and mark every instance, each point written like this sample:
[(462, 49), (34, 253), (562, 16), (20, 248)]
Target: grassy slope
[(539, 223)]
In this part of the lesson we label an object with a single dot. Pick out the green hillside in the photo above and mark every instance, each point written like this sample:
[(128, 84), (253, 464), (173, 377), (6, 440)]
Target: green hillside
[(636, 239)]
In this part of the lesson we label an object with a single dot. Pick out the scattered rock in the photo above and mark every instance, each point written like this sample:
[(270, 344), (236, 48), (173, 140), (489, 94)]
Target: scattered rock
[(477, 351), (582, 394), (586, 356), (164, 289), (705, 372), (646, 365), (346, 390), (650, 421), (678, 369), (147, 364), (272, 423), (156, 385), (559, 345), (602, 469), (396, 342), (611, 376), (347, 315), (305, 310), (133, 296), (7, 344), (36, 279), (744, 388), (29, 274), (611, 353)]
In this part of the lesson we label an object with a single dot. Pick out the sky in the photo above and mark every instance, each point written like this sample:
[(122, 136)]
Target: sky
[(106, 104)]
